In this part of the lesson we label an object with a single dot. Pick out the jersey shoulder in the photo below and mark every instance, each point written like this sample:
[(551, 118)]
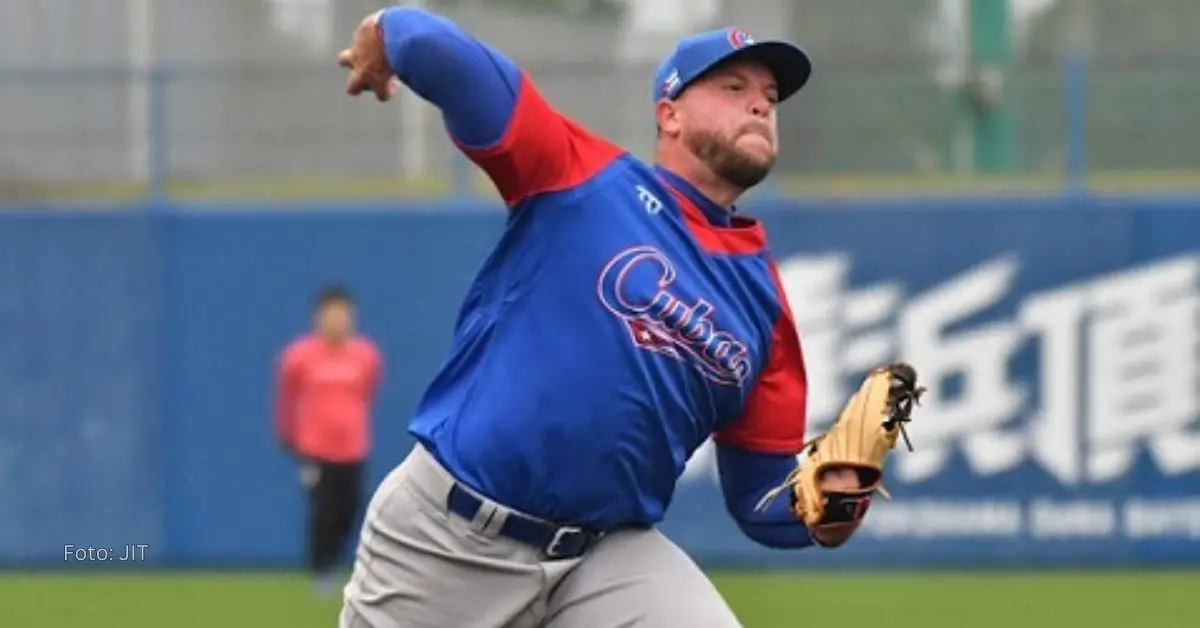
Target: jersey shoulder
[(611, 197), (625, 180), (542, 150)]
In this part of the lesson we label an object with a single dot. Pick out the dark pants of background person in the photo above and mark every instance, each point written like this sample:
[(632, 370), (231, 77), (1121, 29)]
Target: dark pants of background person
[(334, 500)]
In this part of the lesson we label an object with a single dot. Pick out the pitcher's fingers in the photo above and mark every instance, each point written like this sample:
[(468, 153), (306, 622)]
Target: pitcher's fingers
[(356, 83), (345, 59), (381, 90), (385, 88)]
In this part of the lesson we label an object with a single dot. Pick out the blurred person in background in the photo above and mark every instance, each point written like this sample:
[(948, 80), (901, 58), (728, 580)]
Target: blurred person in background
[(327, 380)]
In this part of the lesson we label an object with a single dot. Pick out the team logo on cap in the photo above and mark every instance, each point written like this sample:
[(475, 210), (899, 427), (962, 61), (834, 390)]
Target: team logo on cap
[(671, 83), (739, 38)]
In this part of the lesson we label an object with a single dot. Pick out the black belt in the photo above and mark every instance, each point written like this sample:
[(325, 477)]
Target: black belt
[(556, 541)]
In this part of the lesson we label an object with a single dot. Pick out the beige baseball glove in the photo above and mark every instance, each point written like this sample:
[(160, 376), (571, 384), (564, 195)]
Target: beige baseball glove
[(859, 441)]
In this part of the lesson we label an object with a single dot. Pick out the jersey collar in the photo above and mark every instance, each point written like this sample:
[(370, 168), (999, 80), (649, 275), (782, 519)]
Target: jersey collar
[(717, 215), (716, 229)]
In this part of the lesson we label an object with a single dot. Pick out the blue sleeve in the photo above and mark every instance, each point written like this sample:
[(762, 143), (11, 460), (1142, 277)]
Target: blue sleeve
[(745, 477), (473, 85)]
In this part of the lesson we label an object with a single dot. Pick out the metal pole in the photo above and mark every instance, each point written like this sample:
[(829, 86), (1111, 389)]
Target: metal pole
[(139, 58), (1078, 42), (995, 135)]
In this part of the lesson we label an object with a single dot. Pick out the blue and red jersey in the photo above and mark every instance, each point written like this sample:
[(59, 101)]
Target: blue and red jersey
[(621, 320)]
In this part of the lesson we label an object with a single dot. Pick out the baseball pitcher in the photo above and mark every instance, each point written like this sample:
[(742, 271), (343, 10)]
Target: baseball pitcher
[(628, 313)]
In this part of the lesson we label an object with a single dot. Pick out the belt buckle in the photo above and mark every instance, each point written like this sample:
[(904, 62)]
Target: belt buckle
[(561, 536)]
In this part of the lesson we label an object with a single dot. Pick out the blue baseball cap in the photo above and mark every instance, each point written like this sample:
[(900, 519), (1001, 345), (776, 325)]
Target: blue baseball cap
[(697, 54)]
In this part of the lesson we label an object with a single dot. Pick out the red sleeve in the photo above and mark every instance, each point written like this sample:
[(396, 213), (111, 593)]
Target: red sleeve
[(288, 380), (774, 419), (541, 150), (374, 370)]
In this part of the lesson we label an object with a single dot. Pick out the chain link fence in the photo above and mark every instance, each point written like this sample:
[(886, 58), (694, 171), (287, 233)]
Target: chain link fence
[(244, 96)]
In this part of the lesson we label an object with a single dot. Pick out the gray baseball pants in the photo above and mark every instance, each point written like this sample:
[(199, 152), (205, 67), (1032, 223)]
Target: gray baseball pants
[(418, 565)]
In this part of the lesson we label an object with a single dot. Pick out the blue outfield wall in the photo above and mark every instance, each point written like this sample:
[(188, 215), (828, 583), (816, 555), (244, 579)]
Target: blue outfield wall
[(136, 356)]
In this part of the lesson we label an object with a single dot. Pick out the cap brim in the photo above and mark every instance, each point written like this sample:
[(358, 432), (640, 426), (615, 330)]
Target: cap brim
[(790, 64)]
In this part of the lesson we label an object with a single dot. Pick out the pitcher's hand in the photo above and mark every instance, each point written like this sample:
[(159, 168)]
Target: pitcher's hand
[(837, 480), (367, 63)]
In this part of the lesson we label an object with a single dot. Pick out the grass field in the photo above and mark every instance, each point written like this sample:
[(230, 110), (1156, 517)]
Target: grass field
[(843, 600)]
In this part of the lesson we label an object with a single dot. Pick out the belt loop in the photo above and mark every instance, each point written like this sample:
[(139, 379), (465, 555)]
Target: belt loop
[(483, 522), (494, 523)]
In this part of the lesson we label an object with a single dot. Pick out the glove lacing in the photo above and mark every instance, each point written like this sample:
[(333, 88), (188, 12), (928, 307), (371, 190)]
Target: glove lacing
[(903, 396)]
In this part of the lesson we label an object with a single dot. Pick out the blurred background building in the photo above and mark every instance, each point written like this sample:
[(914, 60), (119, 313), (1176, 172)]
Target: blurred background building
[(232, 96)]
